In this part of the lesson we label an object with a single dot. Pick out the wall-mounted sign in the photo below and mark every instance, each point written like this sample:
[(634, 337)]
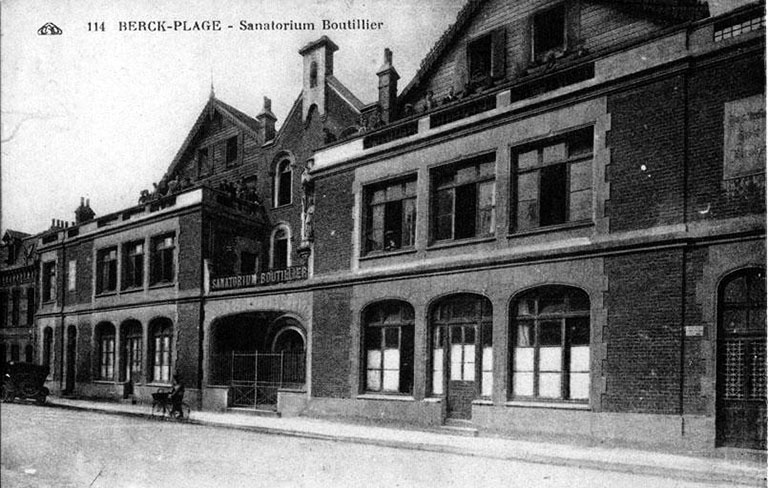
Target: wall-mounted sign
[(744, 144), (273, 277)]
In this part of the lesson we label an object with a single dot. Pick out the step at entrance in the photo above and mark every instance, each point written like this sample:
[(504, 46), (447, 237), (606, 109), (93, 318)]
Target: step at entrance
[(460, 427)]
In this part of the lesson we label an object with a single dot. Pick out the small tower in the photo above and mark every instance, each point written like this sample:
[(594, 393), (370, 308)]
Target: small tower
[(388, 88), (318, 66)]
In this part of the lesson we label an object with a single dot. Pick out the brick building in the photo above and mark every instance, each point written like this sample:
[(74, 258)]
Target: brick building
[(17, 297), (556, 228), (560, 233)]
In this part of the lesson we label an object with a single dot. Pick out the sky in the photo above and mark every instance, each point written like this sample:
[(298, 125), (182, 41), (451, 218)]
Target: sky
[(101, 114)]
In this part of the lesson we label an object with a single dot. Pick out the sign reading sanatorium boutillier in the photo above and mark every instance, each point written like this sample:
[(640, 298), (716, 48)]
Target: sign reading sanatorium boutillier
[(273, 277)]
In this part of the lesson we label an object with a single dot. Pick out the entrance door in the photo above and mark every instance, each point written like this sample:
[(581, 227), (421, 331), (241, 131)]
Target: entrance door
[(457, 323), (69, 384), (741, 378)]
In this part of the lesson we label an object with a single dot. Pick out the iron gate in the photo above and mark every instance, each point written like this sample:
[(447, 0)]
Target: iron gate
[(256, 377)]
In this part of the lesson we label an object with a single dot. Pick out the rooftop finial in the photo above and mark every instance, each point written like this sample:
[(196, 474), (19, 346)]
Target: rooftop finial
[(213, 94)]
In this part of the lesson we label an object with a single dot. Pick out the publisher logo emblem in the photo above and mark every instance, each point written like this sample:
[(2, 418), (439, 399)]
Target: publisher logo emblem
[(49, 29)]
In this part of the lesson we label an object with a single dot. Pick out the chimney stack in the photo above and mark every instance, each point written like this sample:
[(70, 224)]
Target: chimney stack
[(84, 213), (267, 120), (388, 88)]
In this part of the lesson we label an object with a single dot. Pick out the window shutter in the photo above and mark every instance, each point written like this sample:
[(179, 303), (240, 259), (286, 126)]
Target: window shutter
[(461, 73), (498, 53)]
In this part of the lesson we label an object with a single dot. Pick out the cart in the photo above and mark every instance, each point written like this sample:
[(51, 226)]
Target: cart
[(162, 405), (24, 381)]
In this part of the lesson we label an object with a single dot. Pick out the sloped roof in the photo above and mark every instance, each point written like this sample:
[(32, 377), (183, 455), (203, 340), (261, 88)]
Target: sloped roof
[(675, 10), (345, 93), (15, 234), (237, 117)]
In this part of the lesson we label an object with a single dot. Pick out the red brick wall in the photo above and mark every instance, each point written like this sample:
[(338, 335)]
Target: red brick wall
[(642, 365), (331, 341), (646, 171), (333, 222), (189, 251), (187, 343)]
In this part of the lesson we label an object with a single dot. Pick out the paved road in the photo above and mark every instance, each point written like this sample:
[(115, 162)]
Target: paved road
[(49, 447)]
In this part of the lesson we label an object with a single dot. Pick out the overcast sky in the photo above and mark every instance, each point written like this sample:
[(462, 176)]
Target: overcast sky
[(102, 114)]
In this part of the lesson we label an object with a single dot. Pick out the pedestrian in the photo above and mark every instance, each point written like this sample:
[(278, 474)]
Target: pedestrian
[(176, 396)]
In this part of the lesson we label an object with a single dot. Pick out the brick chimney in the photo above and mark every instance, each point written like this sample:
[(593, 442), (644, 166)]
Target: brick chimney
[(267, 120), (388, 88), (318, 65), (84, 213)]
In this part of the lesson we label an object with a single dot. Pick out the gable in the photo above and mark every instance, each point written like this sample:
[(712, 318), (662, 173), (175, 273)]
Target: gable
[(496, 41)]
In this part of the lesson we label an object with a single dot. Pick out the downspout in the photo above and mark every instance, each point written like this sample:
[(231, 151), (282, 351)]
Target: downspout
[(684, 274)]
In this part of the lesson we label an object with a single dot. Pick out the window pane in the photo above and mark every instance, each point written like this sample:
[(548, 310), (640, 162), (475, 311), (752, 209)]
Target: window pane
[(486, 202), (578, 331), (553, 194), (469, 363), (528, 186), (466, 211), (550, 334), (528, 159), (581, 175), (524, 359), (527, 215), (373, 380), (374, 359), (526, 307), (437, 382), (736, 290), (524, 334), (392, 337), (456, 362), (580, 143), (391, 380), (376, 228), (550, 359), (579, 359), (757, 318), (392, 359), (469, 335), (579, 386), (444, 214), (549, 385), (734, 319), (553, 154), (487, 386), (456, 335), (409, 222), (522, 384), (487, 358)]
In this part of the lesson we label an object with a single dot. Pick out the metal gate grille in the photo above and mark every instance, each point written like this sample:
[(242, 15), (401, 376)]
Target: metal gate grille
[(256, 377)]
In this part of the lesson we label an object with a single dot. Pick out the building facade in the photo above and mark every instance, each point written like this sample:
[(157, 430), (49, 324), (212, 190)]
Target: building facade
[(556, 228), (17, 297)]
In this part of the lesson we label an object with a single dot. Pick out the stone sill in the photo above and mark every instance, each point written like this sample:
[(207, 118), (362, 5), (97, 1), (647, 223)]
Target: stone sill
[(562, 406), (390, 398)]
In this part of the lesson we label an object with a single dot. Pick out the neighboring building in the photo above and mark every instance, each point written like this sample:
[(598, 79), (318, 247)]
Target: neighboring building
[(17, 297), (563, 232), (556, 228)]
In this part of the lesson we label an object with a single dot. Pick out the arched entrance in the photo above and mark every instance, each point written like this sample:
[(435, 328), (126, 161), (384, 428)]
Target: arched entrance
[(255, 354), (461, 328), (741, 361)]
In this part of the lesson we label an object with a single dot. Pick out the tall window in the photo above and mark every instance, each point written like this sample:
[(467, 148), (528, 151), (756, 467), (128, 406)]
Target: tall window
[(3, 308), (49, 281), (550, 344), (232, 151), (106, 344), (15, 351), (162, 332), (313, 74), (390, 216), (133, 265), (549, 32), (72, 275), (16, 307), (48, 347), (486, 57), (283, 182), (463, 199), (131, 347), (553, 181), (462, 343), (281, 248), (162, 259), (29, 353), (106, 270), (388, 331)]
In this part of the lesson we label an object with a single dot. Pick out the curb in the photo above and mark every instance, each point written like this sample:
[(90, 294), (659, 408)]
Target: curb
[(740, 477)]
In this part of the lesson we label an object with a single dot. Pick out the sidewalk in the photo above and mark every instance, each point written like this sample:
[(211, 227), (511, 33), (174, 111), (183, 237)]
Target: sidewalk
[(673, 466)]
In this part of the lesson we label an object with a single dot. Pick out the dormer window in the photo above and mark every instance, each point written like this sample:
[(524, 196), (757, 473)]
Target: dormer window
[(486, 58), (203, 162), (549, 33)]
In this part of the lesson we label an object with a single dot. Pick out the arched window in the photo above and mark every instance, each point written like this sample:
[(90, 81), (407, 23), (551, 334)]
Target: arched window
[(280, 257), (550, 343), (48, 347), (105, 341), (462, 353), (388, 351), (313, 74), (283, 183), (29, 353), (131, 350), (160, 355)]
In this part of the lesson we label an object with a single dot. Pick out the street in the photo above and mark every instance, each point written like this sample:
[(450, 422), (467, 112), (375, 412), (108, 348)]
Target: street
[(52, 447)]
